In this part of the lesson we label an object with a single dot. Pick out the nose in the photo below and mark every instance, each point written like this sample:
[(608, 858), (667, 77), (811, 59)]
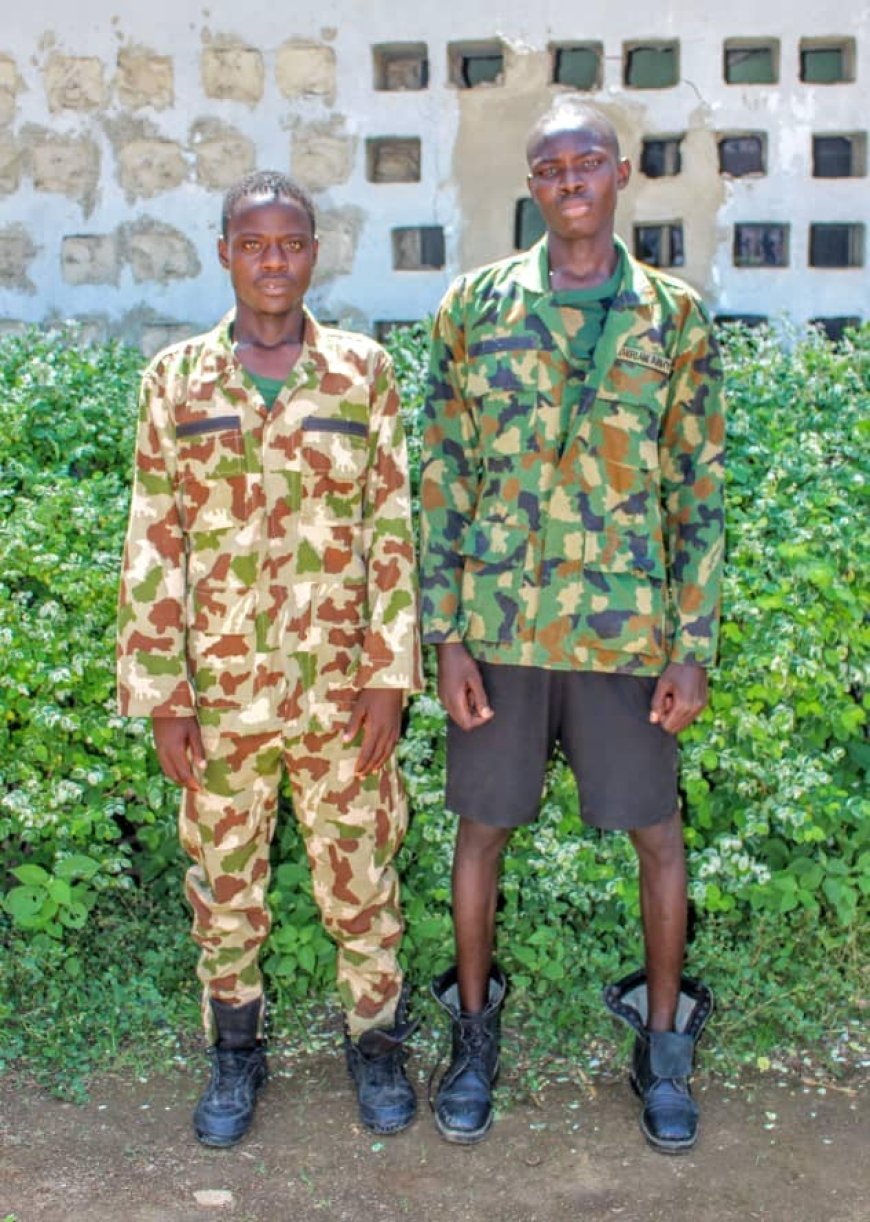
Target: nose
[(273, 255), (573, 179)]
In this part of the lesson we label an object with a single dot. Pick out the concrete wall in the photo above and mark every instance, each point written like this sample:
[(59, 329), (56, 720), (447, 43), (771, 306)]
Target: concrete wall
[(119, 131)]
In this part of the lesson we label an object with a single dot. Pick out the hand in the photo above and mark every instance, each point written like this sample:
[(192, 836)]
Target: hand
[(179, 749), (460, 687), (679, 696), (378, 712)]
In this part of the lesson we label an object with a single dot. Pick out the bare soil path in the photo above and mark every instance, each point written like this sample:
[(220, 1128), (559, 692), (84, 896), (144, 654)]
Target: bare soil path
[(778, 1151)]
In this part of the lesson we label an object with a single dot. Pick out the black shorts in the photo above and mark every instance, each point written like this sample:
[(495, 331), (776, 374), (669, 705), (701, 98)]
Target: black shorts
[(625, 767)]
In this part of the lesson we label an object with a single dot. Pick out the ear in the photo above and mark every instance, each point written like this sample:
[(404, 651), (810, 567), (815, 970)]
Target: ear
[(623, 173), (222, 251), (315, 250)]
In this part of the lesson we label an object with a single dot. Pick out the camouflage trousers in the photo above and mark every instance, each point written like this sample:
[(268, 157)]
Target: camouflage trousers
[(352, 827)]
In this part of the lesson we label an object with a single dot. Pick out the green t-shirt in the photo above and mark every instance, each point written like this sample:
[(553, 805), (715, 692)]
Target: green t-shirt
[(269, 388), (585, 313)]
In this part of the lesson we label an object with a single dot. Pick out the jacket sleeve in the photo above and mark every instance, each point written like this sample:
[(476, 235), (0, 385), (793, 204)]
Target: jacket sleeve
[(692, 462), (151, 655), (449, 475), (391, 649)]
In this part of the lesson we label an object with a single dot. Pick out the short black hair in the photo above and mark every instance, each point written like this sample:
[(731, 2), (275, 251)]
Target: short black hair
[(265, 185), (569, 114)]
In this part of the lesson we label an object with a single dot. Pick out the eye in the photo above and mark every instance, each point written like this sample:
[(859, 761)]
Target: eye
[(296, 245), (250, 245), (547, 172)]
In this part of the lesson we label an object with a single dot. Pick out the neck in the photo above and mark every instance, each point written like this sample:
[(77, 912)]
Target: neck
[(268, 331), (582, 262)]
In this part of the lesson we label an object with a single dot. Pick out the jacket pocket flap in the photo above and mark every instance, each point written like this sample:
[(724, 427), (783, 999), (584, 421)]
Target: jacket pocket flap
[(494, 543), (613, 552)]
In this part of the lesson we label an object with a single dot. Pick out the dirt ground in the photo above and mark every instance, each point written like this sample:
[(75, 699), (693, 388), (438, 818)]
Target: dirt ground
[(782, 1151)]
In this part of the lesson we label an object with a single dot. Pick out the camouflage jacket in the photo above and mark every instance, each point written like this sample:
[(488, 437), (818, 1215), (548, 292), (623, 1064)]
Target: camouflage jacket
[(599, 548), (269, 553)]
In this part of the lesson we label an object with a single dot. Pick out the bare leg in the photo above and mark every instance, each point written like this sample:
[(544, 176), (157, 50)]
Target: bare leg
[(476, 863), (663, 903)]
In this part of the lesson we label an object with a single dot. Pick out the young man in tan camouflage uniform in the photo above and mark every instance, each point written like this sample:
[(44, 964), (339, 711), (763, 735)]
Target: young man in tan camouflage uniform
[(268, 622), (572, 546)]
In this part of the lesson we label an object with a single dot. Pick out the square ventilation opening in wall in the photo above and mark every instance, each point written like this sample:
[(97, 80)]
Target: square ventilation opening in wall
[(578, 65), (742, 153), (401, 66), (528, 224), (840, 156), (835, 326), (660, 156), (473, 64), (650, 65), (827, 61), (418, 248), (743, 320), (760, 244), (393, 159), (836, 245), (385, 327), (660, 245), (751, 62)]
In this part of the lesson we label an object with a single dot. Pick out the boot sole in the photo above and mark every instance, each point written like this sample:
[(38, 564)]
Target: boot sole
[(662, 1144), (461, 1137), (388, 1130)]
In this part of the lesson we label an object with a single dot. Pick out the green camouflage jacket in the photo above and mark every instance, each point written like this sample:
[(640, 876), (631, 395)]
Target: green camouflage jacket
[(596, 549), (269, 554)]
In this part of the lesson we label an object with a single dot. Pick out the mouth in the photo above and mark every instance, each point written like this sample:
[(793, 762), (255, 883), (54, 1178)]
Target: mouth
[(274, 284)]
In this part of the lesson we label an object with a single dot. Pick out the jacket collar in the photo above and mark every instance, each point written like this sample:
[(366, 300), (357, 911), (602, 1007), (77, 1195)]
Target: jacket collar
[(533, 274)]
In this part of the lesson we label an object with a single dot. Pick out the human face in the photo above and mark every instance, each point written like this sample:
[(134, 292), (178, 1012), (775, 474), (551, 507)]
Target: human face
[(574, 178), (270, 252)]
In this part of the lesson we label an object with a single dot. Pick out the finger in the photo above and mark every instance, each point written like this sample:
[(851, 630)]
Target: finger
[(197, 751), (475, 697), (367, 752), (661, 703), (356, 719)]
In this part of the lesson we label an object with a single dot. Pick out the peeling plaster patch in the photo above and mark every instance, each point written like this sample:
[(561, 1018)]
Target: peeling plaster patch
[(338, 231), (13, 326), (158, 252), (90, 258), (232, 71), (17, 250), (149, 167), (223, 153), (62, 165), (156, 336), (10, 85), (306, 69), (10, 164), (74, 83), (322, 155), (144, 79)]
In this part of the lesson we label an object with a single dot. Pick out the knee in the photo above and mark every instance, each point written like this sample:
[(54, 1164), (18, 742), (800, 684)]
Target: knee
[(476, 842), (660, 847)]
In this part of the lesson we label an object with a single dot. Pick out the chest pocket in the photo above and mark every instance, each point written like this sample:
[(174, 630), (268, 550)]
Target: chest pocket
[(334, 454), (213, 473)]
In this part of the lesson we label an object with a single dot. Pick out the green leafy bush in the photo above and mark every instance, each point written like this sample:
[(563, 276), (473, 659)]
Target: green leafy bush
[(774, 773)]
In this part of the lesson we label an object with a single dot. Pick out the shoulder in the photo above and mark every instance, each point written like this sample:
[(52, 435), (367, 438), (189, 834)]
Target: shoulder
[(677, 299), (479, 285), (178, 360), (339, 348)]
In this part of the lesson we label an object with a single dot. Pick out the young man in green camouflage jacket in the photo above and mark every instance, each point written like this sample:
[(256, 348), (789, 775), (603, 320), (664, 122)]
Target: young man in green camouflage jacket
[(268, 622), (572, 539)]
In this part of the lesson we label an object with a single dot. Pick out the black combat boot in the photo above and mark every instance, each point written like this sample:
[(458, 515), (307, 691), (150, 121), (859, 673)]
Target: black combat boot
[(376, 1062), (238, 1070), (662, 1060), (463, 1104)]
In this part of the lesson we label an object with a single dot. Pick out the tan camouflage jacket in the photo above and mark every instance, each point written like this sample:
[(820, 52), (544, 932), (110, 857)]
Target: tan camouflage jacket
[(599, 549), (269, 556)]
